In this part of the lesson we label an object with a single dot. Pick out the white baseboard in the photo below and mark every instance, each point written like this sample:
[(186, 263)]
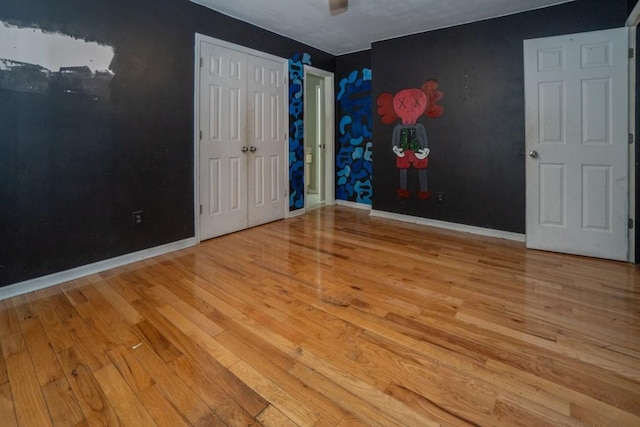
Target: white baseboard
[(297, 212), (353, 205), (450, 226), (96, 267)]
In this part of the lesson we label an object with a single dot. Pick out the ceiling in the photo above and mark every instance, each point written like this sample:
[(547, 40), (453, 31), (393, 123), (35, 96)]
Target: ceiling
[(366, 21)]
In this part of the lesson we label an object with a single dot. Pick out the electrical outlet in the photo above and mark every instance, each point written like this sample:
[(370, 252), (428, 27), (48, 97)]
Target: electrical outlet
[(137, 218), (440, 197)]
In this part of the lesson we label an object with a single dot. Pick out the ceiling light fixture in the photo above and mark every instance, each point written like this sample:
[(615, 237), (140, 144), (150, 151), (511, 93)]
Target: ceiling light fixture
[(336, 7)]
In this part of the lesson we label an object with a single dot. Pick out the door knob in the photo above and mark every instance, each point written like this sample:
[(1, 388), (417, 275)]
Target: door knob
[(245, 149), (533, 154), (253, 149)]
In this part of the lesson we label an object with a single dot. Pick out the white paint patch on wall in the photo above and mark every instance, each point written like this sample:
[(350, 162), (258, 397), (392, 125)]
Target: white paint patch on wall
[(52, 50)]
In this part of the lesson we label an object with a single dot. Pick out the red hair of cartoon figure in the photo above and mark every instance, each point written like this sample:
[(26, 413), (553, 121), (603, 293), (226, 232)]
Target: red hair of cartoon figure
[(409, 141)]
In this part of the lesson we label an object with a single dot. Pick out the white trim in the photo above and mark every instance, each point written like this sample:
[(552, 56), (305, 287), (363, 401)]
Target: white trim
[(240, 48), (634, 17), (329, 131), (354, 205), (297, 212), (86, 270), (196, 138), (631, 253), (450, 226)]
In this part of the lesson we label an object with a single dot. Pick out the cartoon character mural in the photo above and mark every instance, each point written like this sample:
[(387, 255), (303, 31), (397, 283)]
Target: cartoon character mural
[(409, 139)]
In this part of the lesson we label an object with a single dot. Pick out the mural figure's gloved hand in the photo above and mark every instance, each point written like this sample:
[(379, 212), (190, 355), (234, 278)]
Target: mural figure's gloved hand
[(422, 153), (399, 151)]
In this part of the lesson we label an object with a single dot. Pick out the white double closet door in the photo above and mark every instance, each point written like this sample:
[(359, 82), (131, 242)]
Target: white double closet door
[(242, 138)]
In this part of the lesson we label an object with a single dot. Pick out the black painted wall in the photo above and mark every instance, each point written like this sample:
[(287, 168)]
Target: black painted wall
[(477, 146), (345, 64), (73, 168)]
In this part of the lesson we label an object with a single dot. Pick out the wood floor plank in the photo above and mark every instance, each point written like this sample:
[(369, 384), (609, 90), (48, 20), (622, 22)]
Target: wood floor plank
[(98, 309), (24, 312), (120, 304), (13, 344), (181, 396), (161, 409), (271, 417), (62, 403), (222, 404), (3, 370), (211, 358), (188, 311), (332, 318), (124, 401), (89, 344), (43, 357), (202, 339), (30, 407), (94, 404), (289, 405), (7, 410), (59, 338), (328, 412), (160, 344), (359, 405), (8, 320), (73, 294), (130, 369), (93, 320)]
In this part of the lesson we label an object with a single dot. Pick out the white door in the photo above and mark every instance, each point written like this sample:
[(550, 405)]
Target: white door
[(576, 103), (223, 123), (267, 139), (242, 140)]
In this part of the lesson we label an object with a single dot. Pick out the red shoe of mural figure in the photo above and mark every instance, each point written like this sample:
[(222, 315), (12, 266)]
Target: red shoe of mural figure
[(424, 195), (403, 194)]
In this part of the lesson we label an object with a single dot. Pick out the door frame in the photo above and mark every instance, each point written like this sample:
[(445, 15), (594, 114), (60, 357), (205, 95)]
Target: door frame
[(199, 38), (632, 23), (329, 131)]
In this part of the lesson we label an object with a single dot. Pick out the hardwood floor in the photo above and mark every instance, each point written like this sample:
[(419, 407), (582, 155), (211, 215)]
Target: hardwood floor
[(332, 319)]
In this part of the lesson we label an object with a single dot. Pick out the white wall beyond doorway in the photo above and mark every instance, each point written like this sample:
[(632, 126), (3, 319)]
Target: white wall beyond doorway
[(319, 140)]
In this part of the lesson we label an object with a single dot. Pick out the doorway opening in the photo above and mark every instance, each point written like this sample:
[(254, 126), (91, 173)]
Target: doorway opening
[(318, 138)]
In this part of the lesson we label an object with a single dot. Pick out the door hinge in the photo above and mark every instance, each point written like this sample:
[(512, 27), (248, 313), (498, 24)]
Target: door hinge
[(200, 209), (201, 61), (630, 138), (631, 53), (630, 223), (200, 135)]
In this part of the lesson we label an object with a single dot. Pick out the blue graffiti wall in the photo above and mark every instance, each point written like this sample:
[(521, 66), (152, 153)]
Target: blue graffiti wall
[(296, 129), (353, 160)]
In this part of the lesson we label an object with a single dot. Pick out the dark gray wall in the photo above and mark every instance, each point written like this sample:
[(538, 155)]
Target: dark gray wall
[(74, 166), (477, 146)]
